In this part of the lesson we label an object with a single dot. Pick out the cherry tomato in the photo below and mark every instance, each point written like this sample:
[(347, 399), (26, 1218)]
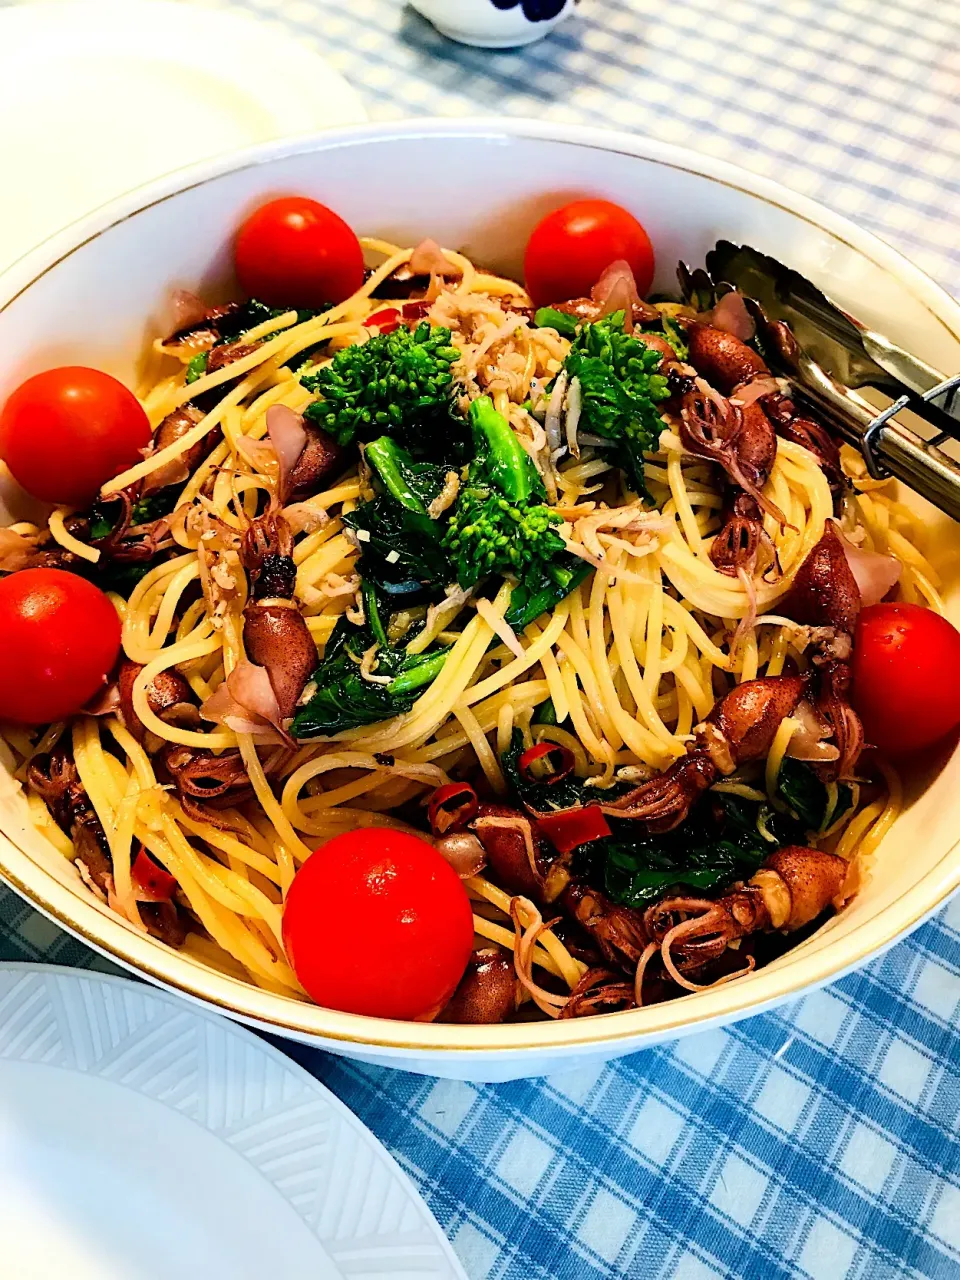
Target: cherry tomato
[(906, 676), (571, 248), (59, 640), (294, 252), (377, 922), (66, 432)]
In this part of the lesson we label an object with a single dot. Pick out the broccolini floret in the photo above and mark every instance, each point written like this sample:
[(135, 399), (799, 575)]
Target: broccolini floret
[(498, 525), (399, 384), (619, 391)]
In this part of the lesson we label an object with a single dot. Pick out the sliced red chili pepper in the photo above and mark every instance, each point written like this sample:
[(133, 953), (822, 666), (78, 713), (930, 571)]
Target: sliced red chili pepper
[(561, 764), (569, 828), (416, 310), (451, 807), (386, 320), (153, 883)]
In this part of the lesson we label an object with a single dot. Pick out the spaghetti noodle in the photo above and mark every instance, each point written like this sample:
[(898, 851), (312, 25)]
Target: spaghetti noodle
[(619, 671)]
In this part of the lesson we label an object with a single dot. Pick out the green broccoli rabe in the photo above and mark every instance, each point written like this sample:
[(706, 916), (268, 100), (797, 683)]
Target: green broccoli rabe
[(488, 534), (340, 698), (724, 839), (551, 318), (400, 544), (498, 524), (399, 384), (676, 337), (104, 515), (197, 367), (619, 391), (247, 315), (808, 799), (499, 458), (542, 587), (414, 485)]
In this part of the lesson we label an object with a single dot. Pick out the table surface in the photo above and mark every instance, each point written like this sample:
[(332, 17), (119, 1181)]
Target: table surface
[(822, 1139)]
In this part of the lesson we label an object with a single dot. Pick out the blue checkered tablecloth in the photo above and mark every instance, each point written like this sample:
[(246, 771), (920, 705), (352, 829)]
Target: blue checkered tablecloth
[(820, 1140)]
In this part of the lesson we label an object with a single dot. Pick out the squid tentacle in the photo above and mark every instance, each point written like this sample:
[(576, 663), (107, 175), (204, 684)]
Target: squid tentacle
[(206, 782), (598, 991), (275, 634), (743, 541), (793, 887), (720, 431)]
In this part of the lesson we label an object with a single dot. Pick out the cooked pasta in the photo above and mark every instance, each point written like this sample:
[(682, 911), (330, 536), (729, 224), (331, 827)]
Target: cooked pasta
[(610, 688)]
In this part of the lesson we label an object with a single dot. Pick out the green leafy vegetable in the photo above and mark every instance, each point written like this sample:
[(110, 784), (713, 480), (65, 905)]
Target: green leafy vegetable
[(395, 555), (342, 699), (498, 526), (249, 314), (543, 586), (414, 485), (808, 797), (718, 844), (397, 383), (546, 713), (197, 367), (103, 516), (101, 526), (721, 841), (676, 337), (619, 391), (551, 318), (121, 575)]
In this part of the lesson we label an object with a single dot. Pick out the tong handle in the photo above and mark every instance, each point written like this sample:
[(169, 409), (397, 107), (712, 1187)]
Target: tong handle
[(915, 374), (921, 465), (888, 446)]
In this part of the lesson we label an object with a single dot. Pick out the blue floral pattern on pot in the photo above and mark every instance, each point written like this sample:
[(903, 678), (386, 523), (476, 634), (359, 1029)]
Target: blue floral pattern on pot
[(533, 10)]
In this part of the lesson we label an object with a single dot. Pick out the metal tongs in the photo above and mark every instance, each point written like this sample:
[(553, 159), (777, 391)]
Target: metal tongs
[(828, 355)]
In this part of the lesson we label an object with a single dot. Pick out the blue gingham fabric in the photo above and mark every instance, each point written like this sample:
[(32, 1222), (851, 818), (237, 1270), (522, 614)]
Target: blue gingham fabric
[(819, 1140)]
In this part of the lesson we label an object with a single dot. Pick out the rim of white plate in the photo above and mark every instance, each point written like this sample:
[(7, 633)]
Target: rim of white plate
[(31, 1041)]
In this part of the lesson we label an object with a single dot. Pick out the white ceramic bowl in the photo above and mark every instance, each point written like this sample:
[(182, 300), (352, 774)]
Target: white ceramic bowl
[(88, 295), (494, 24)]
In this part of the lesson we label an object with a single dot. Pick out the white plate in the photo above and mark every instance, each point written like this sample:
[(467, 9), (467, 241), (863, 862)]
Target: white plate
[(141, 1139), (100, 96)]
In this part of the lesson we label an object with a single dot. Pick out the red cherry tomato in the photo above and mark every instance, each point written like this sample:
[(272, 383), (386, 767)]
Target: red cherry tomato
[(59, 640), (906, 676), (571, 248), (377, 922), (294, 252), (66, 432)]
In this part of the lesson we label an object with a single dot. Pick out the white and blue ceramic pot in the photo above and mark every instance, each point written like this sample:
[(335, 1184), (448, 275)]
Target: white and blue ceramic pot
[(494, 24)]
